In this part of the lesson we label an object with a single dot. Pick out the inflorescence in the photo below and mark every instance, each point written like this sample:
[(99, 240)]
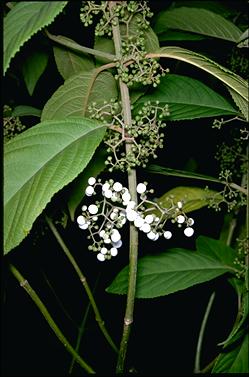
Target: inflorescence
[(104, 218)]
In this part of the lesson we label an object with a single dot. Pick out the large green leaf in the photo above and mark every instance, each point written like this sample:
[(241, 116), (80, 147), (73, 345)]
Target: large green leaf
[(197, 20), (73, 97), (188, 98), (193, 198), (169, 272), (229, 78), (235, 360), (24, 20), (24, 110), (70, 63), (78, 186), (177, 35), (242, 104), (38, 163), (33, 68)]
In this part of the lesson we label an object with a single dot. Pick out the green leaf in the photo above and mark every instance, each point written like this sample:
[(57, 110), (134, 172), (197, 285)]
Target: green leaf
[(73, 97), (188, 98), (33, 68), (193, 198), (106, 45), (176, 35), (235, 360), (78, 186), (24, 20), (217, 248), (241, 103), (169, 272), (229, 78), (40, 162), (197, 20), (70, 63), (23, 110), (180, 173)]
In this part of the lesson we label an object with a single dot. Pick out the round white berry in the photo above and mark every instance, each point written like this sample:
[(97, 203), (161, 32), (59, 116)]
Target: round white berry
[(84, 208), (83, 226), (107, 240), (103, 250), (93, 209), (108, 193), (131, 215), (115, 235), (91, 181), (117, 187), (191, 221), (188, 232), (179, 204), (151, 235), (105, 186), (114, 251), (149, 219), (113, 216), (114, 197), (117, 244), (141, 188), (102, 233), (156, 237), (180, 219), (81, 220), (138, 222), (89, 190), (131, 204), (126, 197), (146, 228), (100, 257), (167, 234)]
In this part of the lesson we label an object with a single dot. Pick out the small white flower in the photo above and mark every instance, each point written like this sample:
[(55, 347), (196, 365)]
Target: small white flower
[(103, 250), (114, 251), (117, 187), (105, 186), (188, 232), (138, 222), (151, 235), (117, 244), (167, 234), (191, 221), (93, 209), (180, 219), (108, 193), (100, 257), (89, 190), (91, 181), (179, 205), (131, 214), (141, 188), (146, 228), (81, 220), (84, 226), (115, 235), (149, 219)]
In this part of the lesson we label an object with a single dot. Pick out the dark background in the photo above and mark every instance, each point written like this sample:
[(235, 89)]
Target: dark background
[(165, 332)]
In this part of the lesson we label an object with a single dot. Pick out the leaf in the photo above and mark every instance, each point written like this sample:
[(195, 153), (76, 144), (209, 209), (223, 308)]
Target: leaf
[(106, 45), (73, 97), (233, 361), (241, 103), (217, 248), (78, 186), (177, 35), (24, 20), (197, 20), (169, 272), (229, 78), (23, 110), (188, 98), (40, 162), (180, 173), (193, 198), (70, 63), (244, 39), (33, 68)]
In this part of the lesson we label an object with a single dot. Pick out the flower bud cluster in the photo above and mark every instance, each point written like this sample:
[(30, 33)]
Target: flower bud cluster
[(11, 125), (144, 133), (107, 216)]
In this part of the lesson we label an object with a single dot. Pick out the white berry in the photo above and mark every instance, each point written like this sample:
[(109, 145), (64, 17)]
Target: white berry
[(89, 190), (93, 209), (179, 204), (83, 226), (115, 236), (114, 251), (117, 187), (149, 219), (108, 193), (191, 221), (131, 215), (81, 220), (103, 250), (151, 235), (105, 186), (100, 257), (141, 188), (188, 232), (138, 222), (167, 234), (146, 228), (117, 244), (180, 219), (91, 181)]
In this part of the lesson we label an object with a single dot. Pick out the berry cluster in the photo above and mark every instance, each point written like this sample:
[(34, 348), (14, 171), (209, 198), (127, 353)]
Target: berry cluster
[(144, 133), (106, 217), (12, 126)]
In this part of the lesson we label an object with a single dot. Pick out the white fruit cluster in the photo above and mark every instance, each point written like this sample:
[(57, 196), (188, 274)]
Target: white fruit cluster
[(104, 218)]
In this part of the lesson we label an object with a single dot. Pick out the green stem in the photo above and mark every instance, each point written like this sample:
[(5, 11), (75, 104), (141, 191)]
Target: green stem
[(132, 185), (64, 41), (33, 295), (84, 283), (201, 334)]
